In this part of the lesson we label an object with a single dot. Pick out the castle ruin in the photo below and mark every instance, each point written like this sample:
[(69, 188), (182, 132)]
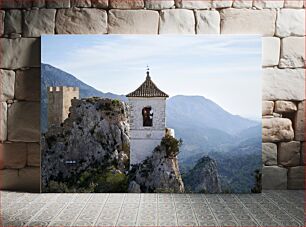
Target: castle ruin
[(59, 101)]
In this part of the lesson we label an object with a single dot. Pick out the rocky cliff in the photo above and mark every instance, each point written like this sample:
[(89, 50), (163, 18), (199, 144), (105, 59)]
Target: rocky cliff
[(159, 172), (89, 150), (203, 177)]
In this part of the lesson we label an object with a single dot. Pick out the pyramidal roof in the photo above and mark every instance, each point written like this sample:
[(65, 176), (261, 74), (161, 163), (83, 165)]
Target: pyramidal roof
[(147, 89)]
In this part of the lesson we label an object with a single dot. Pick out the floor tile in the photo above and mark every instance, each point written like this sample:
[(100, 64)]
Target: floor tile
[(270, 208)]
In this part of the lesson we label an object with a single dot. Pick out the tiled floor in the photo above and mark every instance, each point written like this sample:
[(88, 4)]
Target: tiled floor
[(271, 208)]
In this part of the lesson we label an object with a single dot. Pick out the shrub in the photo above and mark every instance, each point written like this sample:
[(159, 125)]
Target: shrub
[(258, 184), (55, 186), (164, 190), (116, 102), (171, 145), (112, 182)]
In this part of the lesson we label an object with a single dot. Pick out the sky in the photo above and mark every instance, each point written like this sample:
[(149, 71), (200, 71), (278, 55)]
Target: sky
[(223, 68)]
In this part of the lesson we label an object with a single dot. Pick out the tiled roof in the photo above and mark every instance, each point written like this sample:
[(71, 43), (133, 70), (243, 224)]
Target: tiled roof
[(147, 89)]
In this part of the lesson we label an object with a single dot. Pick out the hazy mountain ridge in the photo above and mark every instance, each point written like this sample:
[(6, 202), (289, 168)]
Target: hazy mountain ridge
[(205, 127), (199, 111), (52, 76)]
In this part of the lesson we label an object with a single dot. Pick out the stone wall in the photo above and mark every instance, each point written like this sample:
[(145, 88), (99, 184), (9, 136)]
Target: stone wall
[(59, 102), (281, 22)]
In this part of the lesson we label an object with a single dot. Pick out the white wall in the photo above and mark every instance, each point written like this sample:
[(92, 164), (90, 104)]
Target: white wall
[(145, 139)]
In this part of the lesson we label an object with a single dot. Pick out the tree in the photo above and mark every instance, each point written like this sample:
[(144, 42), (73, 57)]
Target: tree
[(257, 187)]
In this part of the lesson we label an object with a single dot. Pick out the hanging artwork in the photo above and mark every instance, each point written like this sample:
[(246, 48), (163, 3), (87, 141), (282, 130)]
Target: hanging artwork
[(174, 114)]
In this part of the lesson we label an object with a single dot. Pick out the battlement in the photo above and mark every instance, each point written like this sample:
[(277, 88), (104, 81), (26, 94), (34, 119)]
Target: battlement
[(62, 89), (59, 102)]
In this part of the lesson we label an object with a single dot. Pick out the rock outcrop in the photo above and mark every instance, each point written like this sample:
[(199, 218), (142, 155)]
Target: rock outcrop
[(203, 177), (95, 136), (159, 172)]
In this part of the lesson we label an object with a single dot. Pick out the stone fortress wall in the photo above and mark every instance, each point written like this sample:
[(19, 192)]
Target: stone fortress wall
[(280, 22), (59, 102)]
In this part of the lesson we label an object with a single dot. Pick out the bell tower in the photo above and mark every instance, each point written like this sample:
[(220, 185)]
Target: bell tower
[(147, 119)]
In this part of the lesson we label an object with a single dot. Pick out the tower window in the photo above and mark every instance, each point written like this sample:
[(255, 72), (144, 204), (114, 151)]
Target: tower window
[(147, 116)]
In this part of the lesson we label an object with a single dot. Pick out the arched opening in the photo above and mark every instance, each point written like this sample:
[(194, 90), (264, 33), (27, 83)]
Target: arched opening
[(147, 116)]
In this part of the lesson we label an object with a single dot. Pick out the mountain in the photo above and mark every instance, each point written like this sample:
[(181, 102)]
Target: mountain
[(252, 132), (208, 130), (205, 127), (203, 177), (237, 167), (197, 111), (51, 76)]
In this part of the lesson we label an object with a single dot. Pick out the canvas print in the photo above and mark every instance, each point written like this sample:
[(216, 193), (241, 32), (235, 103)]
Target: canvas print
[(151, 114)]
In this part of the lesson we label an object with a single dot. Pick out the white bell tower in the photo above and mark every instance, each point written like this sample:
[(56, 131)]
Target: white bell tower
[(147, 119)]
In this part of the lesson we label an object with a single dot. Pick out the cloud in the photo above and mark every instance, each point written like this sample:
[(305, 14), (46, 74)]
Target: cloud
[(218, 67), (131, 51)]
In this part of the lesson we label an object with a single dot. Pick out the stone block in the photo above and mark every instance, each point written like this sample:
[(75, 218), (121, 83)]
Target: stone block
[(39, 3), (296, 176), (56, 4), (25, 180), (299, 122), (222, 3), (80, 3), (27, 86), (157, 5), (15, 4), (7, 85), (248, 21), (293, 52), (177, 21), (270, 51), (303, 150), (13, 21), (285, 107), (24, 121), (242, 4), (33, 158), (207, 22), (274, 177), (277, 129), (293, 4), (13, 155), (103, 4), (38, 22), (267, 107), (290, 22), (283, 84), (81, 21), (126, 4), (139, 22), (2, 15), (263, 4), (269, 154), (3, 121), (289, 154), (191, 4), (20, 53)]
